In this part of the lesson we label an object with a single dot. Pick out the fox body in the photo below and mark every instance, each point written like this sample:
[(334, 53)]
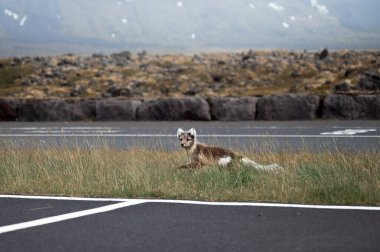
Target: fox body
[(201, 154)]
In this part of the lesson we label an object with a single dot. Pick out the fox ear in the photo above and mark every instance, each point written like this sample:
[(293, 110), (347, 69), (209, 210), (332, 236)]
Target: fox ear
[(180, 132), (192, 132)]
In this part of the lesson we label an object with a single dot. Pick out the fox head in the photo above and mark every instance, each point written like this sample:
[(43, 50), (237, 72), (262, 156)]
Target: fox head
[(186, 138)]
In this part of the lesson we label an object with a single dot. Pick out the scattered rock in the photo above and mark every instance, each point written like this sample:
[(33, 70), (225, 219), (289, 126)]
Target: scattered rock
[(122, 59), (370, 81), (78, 90), (324, 54), (117, 91), (174, 109), (233, 109), (287, 107), (342, 87), (176, 69)]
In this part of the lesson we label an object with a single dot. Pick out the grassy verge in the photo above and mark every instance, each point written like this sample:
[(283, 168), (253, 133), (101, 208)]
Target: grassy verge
[(315, 178)]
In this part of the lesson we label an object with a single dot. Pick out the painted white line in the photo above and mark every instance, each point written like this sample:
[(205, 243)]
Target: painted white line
[(277, 205), (174, 136), (63, 198), (63, 132), (370, 208), (349, 132), (59, 128), (63, 217)]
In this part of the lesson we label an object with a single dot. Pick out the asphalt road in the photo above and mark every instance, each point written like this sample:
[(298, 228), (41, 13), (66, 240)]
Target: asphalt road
[(185, 226), (358, 136)]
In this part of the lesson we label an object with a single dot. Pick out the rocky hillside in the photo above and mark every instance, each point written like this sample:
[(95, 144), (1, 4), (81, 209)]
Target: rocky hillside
[(253, 73)]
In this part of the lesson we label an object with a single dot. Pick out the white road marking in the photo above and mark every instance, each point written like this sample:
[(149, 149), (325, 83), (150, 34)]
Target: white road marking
[(63, 217), (166, 135), (62, 198), (349, 132), (60, 128), (131, 202), (62, 132), (140, 201)]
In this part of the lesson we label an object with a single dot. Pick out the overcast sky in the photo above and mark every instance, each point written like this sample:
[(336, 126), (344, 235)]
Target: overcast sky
[(201, 25)]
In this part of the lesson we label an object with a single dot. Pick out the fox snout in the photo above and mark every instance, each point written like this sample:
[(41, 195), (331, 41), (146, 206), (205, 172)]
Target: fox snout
[(186, 142)]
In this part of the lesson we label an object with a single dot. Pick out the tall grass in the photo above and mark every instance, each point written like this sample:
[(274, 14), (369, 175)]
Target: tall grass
[(315, 178)]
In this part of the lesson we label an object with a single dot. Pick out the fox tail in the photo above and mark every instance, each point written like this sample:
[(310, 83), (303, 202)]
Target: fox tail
[(249, 162)]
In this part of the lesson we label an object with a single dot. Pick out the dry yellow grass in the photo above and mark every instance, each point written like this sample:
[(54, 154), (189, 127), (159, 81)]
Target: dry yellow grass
[(315, 178)]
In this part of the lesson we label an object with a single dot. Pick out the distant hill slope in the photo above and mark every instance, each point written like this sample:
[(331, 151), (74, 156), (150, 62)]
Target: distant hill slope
[(57, 26)]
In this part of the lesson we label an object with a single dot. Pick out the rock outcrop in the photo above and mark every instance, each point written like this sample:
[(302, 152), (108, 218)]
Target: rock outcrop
[(288, 107), (284, 107), (174, 109), (363, 107), (8, 110), (56, 110), (233, 108), (116, 110)]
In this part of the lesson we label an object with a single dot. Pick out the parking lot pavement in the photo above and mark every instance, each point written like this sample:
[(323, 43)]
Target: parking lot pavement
[(157, 225)]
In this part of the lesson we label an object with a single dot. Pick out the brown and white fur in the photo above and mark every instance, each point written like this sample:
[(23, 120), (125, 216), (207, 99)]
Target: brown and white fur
[(201, 154)]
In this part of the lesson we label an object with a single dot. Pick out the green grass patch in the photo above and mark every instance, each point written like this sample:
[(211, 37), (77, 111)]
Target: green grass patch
[(8, 74), (312, 178)]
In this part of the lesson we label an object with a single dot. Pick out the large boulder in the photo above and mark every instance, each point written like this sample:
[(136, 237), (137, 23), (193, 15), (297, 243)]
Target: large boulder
[(288, 107), (174, 109), (351, 107), (233, 109), (116, 110), (8, 110), (56, 110)]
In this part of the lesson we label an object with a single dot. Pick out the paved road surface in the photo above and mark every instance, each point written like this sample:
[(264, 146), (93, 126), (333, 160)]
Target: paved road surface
[(245, 136), (183, 226)]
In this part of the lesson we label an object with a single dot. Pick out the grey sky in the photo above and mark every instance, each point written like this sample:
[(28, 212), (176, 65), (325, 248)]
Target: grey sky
[(84, 26)]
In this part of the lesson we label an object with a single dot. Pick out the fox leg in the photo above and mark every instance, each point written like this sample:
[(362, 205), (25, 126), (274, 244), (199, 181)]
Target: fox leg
[(190, 166)]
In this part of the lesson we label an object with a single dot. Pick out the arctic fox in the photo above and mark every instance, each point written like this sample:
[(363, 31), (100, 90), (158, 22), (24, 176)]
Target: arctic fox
[(201, 154)]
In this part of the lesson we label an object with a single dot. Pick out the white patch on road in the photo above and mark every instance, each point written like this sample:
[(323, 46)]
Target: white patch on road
[(349, 132)]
